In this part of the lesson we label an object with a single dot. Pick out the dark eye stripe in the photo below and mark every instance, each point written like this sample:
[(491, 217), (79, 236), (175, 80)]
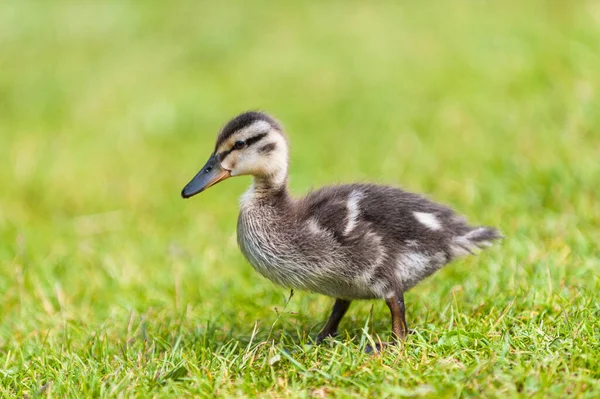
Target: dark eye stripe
[(255, 139), (221, 156), (267, 148)]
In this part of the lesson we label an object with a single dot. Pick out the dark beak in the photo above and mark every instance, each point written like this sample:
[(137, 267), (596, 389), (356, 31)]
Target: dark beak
[(209, 175)]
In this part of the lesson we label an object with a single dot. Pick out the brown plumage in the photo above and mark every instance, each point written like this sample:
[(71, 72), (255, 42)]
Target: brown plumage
[(355, 241)]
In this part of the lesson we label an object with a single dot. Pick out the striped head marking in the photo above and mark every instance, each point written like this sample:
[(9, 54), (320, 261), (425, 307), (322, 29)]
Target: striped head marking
[(252, 143)]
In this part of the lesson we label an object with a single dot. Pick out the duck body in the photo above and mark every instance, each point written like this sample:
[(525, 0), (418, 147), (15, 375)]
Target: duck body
[(355, 241)]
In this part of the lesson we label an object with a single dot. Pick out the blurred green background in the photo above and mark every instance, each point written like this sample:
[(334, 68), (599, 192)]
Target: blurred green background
[(112, 285)]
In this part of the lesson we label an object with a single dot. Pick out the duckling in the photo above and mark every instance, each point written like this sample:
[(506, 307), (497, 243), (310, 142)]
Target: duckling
[(349, 242)]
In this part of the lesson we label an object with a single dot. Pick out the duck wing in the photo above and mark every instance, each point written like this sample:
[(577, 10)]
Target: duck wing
[(400, 218)]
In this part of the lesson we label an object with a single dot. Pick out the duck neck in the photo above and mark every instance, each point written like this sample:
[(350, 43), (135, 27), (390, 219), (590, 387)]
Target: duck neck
[(267, 190), (265, 187)]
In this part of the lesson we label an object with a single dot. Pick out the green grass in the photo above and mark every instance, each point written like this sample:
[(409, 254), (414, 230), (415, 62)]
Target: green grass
[(112, 286)]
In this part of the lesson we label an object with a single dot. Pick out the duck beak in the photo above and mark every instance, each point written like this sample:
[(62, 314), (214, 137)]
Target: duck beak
[(209, 175)]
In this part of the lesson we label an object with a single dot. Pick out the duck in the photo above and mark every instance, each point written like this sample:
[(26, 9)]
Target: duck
[(349, 242)]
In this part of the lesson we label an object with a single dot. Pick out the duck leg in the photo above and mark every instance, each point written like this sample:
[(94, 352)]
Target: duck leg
[(339, 310), (399, 327)]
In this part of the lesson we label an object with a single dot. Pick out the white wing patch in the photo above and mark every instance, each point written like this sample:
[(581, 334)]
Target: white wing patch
[(353, 211), (428, 219), (316, 229), (410, 266), (363, 281), (412, 243)]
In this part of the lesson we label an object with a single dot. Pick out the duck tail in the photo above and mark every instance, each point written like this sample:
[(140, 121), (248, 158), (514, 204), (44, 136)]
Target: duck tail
[(471, 241)]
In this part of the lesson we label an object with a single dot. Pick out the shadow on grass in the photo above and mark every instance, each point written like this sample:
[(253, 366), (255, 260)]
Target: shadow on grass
[(288, 331)]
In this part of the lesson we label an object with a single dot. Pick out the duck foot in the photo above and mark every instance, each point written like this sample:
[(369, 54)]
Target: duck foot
[(339, 310), (380, 346), (321, 338), (373, 350)]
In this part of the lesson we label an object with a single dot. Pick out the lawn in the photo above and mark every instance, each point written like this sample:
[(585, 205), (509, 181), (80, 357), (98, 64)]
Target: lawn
[(113, 286)]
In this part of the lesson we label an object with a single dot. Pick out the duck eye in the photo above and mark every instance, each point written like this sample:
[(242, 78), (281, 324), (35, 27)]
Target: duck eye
[(239, 145)]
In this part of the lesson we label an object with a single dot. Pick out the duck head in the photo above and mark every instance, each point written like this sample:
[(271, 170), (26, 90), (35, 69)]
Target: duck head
[(253, 144)]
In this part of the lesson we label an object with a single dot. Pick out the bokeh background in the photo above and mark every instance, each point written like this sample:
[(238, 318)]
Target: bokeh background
[(111, 284)]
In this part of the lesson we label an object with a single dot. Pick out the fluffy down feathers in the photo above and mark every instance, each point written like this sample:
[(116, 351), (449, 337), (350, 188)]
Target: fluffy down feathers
[(355, 241)]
